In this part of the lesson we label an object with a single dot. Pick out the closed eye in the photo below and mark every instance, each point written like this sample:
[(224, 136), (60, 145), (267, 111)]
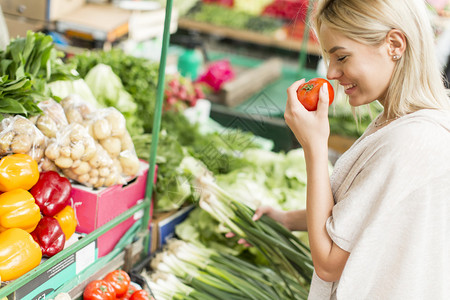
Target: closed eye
[(342, 58)]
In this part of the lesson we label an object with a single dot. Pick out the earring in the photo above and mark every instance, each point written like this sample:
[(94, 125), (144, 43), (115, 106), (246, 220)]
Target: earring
[(395, 57)]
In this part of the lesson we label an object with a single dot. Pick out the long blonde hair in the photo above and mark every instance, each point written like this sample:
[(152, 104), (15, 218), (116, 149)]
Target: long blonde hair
[(417, 81)]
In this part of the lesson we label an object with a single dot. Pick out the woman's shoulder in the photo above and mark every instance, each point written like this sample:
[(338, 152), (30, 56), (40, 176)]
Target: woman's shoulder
[(422, 129), (419, 122)]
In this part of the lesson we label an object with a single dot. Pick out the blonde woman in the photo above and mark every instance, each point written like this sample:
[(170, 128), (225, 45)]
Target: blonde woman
[(379, 228)]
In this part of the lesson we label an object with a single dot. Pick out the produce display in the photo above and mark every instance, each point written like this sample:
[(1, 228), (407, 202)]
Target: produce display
[(290, 254), (278, 19), (287, 9), (230, 202), (179, 137), (36, 217), (189, 271), (228, 17), (115, 285), (49, 142), (88, 120), (88, 143), (262, 178), (283, 9), (139, 78)]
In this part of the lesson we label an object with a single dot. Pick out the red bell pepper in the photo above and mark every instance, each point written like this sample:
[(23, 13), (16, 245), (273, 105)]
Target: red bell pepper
[(49, 235), (51, 193)]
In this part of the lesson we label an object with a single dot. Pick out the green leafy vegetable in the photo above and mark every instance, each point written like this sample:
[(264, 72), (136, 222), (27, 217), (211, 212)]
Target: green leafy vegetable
[(108, 90), (232, 18), (139, 77), (27, 64), (64, 88)]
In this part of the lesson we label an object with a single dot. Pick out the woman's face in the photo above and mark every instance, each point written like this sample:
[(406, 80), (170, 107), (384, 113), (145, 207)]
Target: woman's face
[(364, 71)]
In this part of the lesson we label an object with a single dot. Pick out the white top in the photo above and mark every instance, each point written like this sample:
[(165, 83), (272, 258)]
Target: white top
[(392, 212)]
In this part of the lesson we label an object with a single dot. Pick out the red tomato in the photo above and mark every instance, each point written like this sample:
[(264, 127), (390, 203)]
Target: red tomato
[(120, 281), (308, 93), (131, 290), (140, 295), (99, 290)]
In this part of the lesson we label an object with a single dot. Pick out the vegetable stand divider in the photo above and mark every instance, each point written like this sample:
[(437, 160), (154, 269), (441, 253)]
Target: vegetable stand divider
[(144, 205), (157, 117)]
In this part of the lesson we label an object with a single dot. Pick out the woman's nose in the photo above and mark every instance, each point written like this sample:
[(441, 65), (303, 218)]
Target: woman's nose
[(333, 73)]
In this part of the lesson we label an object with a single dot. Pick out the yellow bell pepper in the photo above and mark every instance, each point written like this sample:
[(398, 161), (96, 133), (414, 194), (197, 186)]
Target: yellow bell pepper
[(18, 209), (67, 220), (19, 253), (18, 171)]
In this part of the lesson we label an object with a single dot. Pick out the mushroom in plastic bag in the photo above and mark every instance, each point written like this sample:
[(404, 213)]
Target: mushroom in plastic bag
[(108, 127), (78, 156), (52, 119), (76, 109), (20, 135)]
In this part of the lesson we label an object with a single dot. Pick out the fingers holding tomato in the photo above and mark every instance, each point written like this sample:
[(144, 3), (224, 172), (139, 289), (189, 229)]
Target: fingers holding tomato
[(308, 93), (292, 102), (308, 122)]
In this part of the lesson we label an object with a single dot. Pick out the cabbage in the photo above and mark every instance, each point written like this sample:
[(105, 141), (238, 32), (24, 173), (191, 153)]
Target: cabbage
[(64, 88), (109, 91)]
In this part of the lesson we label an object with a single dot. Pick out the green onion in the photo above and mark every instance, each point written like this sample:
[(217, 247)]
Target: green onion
[(286, 252), (202, 273)]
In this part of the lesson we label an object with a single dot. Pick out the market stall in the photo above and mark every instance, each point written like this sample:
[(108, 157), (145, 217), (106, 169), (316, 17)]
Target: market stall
[(137, 181)]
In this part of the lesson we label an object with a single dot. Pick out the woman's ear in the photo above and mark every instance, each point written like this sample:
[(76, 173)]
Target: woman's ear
[(396, 41)]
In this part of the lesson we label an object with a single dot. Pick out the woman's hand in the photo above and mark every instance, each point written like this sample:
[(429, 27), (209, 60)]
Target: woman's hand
[(277, 215), (311, 128)]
